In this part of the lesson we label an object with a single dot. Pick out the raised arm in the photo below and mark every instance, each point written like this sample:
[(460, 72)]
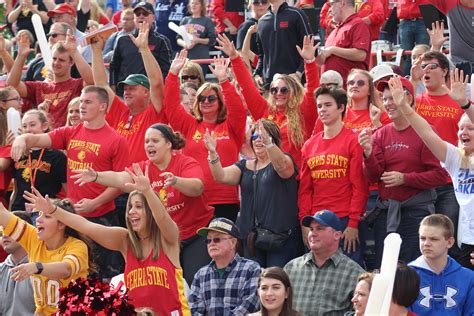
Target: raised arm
[(5, 55), (5, 216), (25, 142), (14, 76), (437, 146), (229, 175), (113, 238), (168, 228), (83, 67), (98, 68), (256, 104), (152, 67), (106, 178)]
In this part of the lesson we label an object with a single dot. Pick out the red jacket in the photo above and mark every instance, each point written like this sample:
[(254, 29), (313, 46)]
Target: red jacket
[(219, 14), (409, 9)]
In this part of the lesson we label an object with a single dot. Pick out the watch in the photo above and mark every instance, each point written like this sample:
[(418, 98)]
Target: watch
[(467, 106), (39, 267)]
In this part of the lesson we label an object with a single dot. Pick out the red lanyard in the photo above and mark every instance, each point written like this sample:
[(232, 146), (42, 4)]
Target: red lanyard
[(38, 164)]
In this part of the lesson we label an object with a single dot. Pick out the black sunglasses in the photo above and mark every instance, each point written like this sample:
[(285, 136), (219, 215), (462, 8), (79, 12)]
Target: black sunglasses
[(283, 90), (54, 35), (209, 98), (189, 77), (215, 240), (261, 2), (144, 13), (359, 83)]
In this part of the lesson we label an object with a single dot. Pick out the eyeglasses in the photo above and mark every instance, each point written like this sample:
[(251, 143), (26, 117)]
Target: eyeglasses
[(142, 13), (255, 136), (54, 35), (209, 98), (282, 90), (431, 66), (330, 85), (215, 240), (359, 83), (18, 99), (189, 77), (259, 2)]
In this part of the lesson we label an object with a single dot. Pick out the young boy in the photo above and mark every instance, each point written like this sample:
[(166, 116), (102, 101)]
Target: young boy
[(446, 288)]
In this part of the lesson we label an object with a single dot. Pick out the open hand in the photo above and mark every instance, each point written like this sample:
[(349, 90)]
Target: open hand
[(178, 62), (140, 180), (227, 46), (84, 176), (219, 68), (458, 87), (38, 202), (141, 41), (308, 51), (210, 141)]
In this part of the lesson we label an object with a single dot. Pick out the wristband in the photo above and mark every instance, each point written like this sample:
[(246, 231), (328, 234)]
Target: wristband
[(54, 211), (213, 161), (467, 106), (96, 176), (39, 267)]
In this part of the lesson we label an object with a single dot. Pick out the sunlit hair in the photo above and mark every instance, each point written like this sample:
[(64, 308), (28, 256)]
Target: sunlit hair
[(367, 75), (5, 94), (467, 160), (367, 277), (192, 69), (271, 128), (152, 229), (42, 117), (28, 33), (61, 49), (203, 7), (96, 11), (222, 110), (441, 221), (279, 274), (67, 205), (74, 102), (296, 128)]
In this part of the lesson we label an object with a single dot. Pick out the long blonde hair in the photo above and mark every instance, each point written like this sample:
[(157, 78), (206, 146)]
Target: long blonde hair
[(467, 160), (152, 228), (294, 118)]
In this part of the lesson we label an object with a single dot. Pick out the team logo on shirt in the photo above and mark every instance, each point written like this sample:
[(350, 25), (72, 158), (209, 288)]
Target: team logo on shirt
[(163, 195), (197, 136), (448, 297), (465, 182)]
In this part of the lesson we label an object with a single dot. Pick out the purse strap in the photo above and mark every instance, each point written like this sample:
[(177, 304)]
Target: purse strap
[(254, 179)]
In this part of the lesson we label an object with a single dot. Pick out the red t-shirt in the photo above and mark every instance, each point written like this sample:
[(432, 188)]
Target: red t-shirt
[(156, 284), (6, 175), (332, 177), (372, 9), (60, 93), (352, 33), (118, 117), (102, 149), (189, 213), (259, 107), (443, 113), (405, 152), (220, 14), (116, 19), (409, 9), (230, 136)]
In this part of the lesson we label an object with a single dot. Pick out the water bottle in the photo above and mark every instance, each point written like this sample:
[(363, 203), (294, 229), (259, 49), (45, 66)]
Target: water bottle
[(13, 120)]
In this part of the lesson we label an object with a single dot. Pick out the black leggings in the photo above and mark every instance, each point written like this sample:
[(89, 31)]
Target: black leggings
[(228, 211), (193, 256)]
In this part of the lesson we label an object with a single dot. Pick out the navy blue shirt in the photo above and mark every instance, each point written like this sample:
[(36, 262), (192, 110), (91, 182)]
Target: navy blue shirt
[(165, 13)]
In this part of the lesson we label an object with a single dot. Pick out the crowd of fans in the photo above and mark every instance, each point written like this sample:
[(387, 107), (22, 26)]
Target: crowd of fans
[(261, 182)]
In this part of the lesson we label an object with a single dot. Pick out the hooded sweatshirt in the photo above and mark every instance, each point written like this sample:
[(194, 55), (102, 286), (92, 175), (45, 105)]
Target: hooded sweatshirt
[(450, 292), (16, 298)]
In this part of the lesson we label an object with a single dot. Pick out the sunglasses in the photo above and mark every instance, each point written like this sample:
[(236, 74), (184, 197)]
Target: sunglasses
[(54, 35), (359, 83), (260, 2), (282, 90), (255, 136), (431, 66), (18, 99), (189, 77), (215, 240), (209, 98), (142, 13)]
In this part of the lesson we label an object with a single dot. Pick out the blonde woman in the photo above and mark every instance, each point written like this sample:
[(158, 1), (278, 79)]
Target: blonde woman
[(289, 105)]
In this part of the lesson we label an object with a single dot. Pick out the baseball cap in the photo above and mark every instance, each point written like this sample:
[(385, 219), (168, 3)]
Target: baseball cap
[(148, 7), (325, 218), (405, 83), (221, 225), (136, 79), (381, 71), (63, 8)]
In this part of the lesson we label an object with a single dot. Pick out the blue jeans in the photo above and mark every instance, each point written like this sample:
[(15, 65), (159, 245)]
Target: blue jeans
[(366, 234), (412, 33), (292, 249), (408, 230), (358, 255)]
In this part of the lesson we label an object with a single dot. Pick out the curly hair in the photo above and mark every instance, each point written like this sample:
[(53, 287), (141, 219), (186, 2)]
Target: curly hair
[(293, 114)]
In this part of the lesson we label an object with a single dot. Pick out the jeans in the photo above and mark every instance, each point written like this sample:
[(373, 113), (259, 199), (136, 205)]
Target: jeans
[(366, 233), (358, 255), (293, 248), (447, 204), (391, 37), (408, 230), (412, 33)]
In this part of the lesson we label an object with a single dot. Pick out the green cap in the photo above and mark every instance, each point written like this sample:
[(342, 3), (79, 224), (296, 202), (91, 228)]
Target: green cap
[(136, 79)]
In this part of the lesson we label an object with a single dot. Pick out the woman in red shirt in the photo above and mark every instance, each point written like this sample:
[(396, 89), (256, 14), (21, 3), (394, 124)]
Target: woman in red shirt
[(178, 181), (289, 105), (218, 108)]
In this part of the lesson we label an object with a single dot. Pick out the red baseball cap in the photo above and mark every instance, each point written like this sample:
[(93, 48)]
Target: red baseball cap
[(63, 8), (405, 83)]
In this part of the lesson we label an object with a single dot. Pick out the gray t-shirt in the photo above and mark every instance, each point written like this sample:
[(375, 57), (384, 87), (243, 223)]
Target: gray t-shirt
[(201, 27)]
